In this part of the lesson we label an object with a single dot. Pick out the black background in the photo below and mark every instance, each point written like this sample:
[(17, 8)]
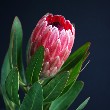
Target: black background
[(92, 21)]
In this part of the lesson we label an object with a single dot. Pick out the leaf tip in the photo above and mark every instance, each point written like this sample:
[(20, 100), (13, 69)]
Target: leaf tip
[(89, 44), (88, 98), (81, 82), (16, 19)]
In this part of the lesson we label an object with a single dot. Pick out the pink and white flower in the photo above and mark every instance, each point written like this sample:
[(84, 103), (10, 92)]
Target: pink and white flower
[(57, 36)]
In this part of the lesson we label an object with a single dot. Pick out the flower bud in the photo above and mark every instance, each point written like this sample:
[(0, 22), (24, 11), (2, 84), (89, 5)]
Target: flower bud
[(57, 36)]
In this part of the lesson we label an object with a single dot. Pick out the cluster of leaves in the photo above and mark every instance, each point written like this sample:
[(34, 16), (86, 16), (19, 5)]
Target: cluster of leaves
[(55, 93)]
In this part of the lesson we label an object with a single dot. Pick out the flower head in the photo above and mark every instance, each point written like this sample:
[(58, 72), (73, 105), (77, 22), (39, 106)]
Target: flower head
[(57, 36)]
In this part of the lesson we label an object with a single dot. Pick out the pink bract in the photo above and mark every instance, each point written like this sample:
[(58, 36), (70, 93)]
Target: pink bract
[(57, 36)]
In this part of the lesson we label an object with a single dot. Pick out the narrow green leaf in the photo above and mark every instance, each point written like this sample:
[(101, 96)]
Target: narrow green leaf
[(12, 85), (15, 48), (47, 89), (33, 99), (64, 101), (7, 64), (75, 57), (46, 81), (54, 88), (34, 67), (74, 72), (4, 73), (82, 106)]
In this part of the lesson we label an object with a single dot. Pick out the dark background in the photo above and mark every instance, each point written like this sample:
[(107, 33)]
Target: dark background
[(92, 22)]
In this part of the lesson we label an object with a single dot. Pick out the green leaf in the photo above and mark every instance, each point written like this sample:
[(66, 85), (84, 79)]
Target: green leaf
[(74, 72), (54, 88), (33, 99), (50, 86), (4, 72), (7, 64), (15, 48), (82, 106), (75, 57), (12, 85), (46, 81), (64, 101), (34, 67)]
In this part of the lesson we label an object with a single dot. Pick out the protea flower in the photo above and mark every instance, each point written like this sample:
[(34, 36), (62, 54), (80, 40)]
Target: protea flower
[(57, 36)]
